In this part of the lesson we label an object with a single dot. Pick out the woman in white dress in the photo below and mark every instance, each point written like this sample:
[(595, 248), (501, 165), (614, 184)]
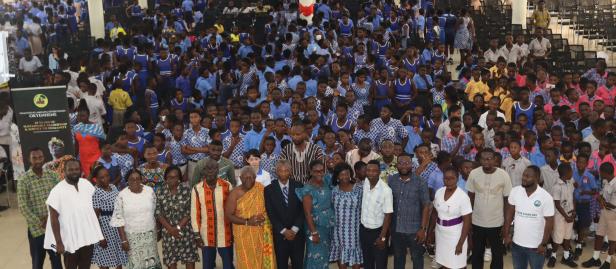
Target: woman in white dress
[(133, 215), (451, 221)]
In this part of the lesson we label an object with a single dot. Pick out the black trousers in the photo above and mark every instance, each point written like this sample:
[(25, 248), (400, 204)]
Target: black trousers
[(480, 236), (81, 259), (374, 258), (38, 253), (286, 250)]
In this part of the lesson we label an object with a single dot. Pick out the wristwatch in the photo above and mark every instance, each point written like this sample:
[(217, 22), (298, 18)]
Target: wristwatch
[(383, 239)]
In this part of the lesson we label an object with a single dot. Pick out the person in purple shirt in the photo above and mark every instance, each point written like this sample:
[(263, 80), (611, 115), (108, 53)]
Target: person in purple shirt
[(279, 109)]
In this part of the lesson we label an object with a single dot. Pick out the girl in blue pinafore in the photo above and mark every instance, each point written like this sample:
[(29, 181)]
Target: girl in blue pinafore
[(381, 89), (403, 90), (346, 26)]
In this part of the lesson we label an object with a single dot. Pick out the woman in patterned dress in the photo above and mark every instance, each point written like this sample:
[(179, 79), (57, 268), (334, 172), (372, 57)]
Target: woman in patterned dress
[(107, 253), (346, 198), (173, 213), (152, 170), (133, 215), (316, 197)]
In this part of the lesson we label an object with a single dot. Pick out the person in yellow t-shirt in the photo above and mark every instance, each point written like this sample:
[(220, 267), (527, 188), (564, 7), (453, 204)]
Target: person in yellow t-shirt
[(119, 100), (504, 94), (541, 16), (477, 86)]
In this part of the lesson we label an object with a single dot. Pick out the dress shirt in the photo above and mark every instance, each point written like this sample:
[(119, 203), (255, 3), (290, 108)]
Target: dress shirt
[(376, 202)]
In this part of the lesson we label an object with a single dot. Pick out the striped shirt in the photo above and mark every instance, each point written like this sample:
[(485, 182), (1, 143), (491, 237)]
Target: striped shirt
[(300, 166), (207, 213)]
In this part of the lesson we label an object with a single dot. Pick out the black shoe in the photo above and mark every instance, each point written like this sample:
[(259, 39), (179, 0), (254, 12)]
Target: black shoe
[(548, 253), (605, 265), (577, 253), (569, 262), (551, 261), (591, 263), (605, 247)]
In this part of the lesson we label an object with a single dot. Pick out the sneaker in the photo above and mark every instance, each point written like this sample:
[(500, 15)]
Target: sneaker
[(605, 265), (488, 255), (577, 253), (591, 263), (552, 262), (569, 262)]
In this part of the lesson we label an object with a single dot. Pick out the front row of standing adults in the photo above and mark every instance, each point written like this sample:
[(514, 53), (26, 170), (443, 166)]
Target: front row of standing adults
[(333, 217)]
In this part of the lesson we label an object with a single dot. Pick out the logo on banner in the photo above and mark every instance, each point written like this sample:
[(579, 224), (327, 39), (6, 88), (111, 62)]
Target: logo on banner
[(40, 100)]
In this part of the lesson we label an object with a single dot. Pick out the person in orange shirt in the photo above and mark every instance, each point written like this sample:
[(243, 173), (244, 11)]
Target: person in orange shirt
[(477, 86)]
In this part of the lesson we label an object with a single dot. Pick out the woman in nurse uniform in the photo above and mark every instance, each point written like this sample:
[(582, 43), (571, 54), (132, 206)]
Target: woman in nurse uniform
[(451, 222)]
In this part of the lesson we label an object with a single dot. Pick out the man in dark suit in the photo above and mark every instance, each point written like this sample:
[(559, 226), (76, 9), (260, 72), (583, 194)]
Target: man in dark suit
[(286, 213)]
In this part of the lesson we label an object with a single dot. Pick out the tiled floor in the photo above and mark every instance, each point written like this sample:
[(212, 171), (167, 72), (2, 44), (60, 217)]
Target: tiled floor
[(14, 243)]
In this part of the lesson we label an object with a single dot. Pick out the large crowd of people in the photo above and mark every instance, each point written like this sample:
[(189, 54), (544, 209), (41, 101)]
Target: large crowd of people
[(344, 140)]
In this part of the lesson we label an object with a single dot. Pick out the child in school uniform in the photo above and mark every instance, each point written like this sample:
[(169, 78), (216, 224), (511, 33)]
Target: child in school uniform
[(562, 192)]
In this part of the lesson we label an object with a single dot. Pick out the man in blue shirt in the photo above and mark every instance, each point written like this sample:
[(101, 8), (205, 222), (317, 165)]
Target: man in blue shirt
[(253, 138)]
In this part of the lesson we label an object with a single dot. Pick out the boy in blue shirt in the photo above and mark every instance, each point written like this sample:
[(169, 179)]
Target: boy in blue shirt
[(585, 189)]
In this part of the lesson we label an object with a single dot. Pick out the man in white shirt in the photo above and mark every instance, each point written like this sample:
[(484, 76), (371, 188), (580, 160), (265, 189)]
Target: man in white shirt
[(376, 213), (488, 187), (493, 53), (540, 47), (72, 226), (533, 208), (509, 50), (515, 164)]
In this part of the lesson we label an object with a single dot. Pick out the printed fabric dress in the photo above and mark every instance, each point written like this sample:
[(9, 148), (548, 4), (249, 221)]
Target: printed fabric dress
[(254, 245), (153, 177), (87, 137), (317, 255), (345, 246), (112, 255), (175, 207)]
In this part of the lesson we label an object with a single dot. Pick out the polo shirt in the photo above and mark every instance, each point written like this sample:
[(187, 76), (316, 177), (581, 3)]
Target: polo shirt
[(375, 203), (489, 190), (530, 213), (252, 140)]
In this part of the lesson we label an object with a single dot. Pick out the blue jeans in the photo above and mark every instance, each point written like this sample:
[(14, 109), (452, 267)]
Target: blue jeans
[(209, 257), (37, 252), (401, 242), (523, 257)]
